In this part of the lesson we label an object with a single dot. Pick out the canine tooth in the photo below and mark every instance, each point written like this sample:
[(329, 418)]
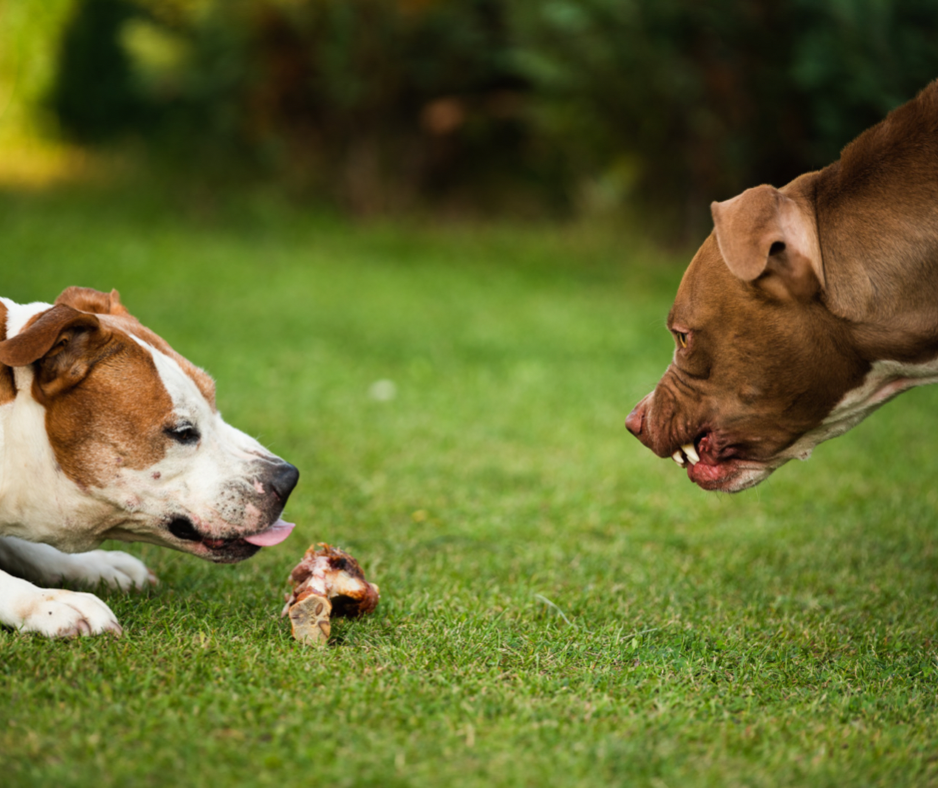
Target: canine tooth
[(690, 452), (679, 458)]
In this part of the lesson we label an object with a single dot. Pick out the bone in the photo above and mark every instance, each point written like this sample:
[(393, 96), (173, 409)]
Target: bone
[(310, 620), (327, 582)]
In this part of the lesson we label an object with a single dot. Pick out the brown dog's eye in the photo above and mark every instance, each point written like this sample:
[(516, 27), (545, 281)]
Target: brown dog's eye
[(682, 338)]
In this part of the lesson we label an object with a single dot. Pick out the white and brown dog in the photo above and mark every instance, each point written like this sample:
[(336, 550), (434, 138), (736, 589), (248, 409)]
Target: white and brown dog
[(107, 433)]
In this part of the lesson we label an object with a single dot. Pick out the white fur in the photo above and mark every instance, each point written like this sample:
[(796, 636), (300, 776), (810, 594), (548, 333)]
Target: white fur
[(884, 381), (209, 483), (19, 314), (35, 500), (44, 564), (53, 612)]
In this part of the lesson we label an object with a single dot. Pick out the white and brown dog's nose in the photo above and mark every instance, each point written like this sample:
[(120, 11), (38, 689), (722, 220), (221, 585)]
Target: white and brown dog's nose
[(282, 480)]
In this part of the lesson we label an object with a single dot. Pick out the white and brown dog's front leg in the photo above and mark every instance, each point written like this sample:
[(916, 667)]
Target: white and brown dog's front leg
[(60, 612)]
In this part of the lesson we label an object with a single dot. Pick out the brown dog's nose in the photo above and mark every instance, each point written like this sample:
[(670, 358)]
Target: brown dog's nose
[(635, 420)]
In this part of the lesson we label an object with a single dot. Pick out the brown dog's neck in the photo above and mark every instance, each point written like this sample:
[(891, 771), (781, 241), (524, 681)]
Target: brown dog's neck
[(878, 243)]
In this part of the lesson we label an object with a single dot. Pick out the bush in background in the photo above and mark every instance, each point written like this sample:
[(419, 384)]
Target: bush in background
[(673, 103), (379, 105), (663, 105), (94, 96)]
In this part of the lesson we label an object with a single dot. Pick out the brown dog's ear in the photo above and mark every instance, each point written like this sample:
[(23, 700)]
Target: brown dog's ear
[(63, 343), (763, 234), (85, 299)]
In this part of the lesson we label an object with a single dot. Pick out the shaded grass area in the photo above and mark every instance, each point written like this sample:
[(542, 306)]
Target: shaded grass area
[(558, 606)]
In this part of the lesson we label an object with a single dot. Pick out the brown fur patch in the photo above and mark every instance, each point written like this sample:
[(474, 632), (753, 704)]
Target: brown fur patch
[(7, 385), (114, 419), (119, 413), (796, 354), (58, 344), (106, 405), (200, 377), (756, 368), (88, 300), (85, 299)]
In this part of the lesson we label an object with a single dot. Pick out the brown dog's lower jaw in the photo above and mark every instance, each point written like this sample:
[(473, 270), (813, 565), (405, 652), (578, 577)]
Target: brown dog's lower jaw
[(727, 475), (715, 470)]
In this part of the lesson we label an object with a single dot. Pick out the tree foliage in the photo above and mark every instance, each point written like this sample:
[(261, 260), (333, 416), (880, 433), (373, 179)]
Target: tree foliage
[(663, 103)]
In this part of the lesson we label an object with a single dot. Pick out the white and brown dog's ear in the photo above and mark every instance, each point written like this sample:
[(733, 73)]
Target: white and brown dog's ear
[(765, 237), (86, 299), (63, 343)]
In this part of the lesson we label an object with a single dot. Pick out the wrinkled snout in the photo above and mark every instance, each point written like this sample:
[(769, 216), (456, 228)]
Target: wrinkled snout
[(636, 421)]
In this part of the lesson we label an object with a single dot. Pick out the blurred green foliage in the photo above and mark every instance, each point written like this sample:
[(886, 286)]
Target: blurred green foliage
[(593, 104), (679, 103), (29, 32), (94, 95)]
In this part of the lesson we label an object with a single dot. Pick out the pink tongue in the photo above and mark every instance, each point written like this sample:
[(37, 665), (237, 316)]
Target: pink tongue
[(276, 533)]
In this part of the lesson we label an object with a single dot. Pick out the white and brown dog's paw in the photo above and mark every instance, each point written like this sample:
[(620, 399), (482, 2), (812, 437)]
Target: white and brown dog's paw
[(110, 567), (44, 565), (62, 613), (54, 612)]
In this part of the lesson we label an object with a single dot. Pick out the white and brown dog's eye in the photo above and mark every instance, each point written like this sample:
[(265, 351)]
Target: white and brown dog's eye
[(186, 434)]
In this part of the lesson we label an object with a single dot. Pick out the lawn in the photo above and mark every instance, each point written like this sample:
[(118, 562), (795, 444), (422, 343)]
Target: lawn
[(559, 607)]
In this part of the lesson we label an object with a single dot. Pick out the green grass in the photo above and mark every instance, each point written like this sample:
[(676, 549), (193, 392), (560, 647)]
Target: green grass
[(559, 607)]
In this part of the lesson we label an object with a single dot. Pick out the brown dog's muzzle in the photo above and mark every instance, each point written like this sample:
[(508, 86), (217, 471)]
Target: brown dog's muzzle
[(636, 421)]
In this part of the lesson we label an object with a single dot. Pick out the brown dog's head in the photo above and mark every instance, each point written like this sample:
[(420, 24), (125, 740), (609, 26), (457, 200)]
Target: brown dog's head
[(762, 368), (806, 309)]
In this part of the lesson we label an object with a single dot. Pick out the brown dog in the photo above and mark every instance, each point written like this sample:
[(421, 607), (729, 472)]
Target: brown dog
[(806, 309)]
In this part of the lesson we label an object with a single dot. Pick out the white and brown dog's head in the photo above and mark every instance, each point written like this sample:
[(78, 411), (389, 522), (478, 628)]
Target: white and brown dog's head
[(107, 433)]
